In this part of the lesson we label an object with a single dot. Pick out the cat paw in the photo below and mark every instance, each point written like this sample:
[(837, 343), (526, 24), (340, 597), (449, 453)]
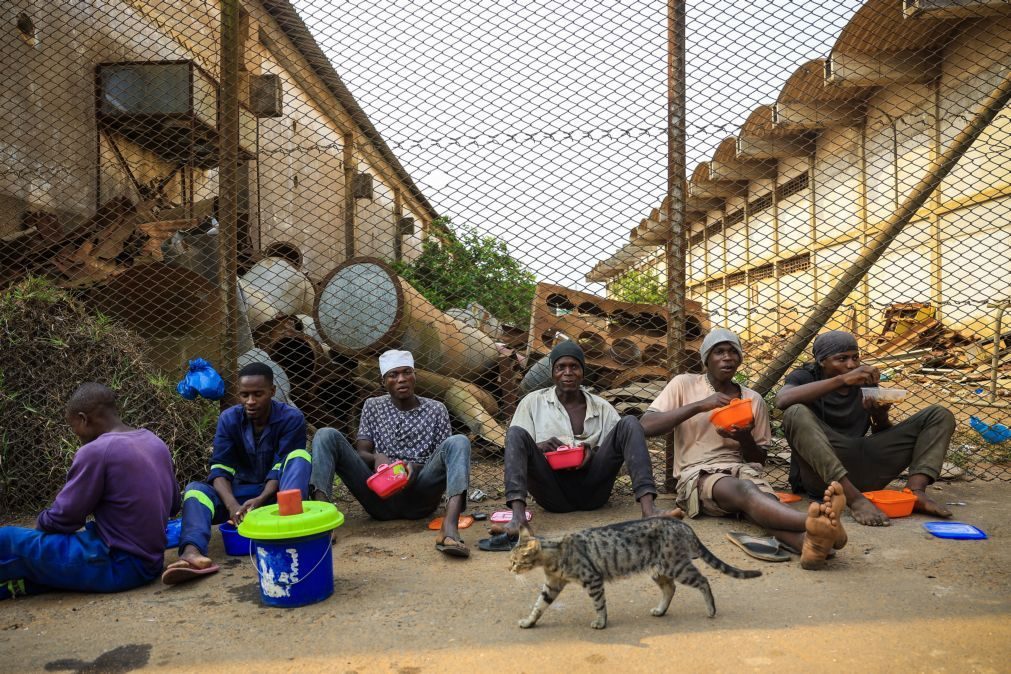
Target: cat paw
[(599, 624), (527, 623), (658, 612)]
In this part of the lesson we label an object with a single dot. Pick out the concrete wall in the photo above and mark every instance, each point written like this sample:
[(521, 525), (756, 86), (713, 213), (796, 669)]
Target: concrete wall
[(49, 141), (957, 251)]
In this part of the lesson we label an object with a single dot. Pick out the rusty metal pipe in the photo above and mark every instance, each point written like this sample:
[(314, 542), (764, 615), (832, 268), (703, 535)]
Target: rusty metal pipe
[(875, 248), (363, 308)]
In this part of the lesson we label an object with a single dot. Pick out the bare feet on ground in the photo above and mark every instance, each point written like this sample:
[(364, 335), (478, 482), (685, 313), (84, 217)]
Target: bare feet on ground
[(865, 512), (928, 506), (836, 501), (675, 512), (191, 559), (822, 530)]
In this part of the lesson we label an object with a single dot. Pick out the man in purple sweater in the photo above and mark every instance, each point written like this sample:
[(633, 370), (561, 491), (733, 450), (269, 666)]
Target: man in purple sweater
[(121, 475)]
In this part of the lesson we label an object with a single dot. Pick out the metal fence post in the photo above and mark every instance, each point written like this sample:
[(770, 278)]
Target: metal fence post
[(675, 204), (228, 189)]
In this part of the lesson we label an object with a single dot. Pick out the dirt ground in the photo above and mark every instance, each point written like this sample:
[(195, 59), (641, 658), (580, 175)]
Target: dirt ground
[(894, 599)]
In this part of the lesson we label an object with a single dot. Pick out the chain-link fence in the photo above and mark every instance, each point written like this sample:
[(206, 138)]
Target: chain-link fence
[(308, 183)]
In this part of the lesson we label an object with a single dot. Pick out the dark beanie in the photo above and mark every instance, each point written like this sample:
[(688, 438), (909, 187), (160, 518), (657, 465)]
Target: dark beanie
[(830, 343), (567, 348)]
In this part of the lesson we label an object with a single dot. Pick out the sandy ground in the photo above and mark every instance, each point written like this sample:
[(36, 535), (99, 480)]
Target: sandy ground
[(895, 599)]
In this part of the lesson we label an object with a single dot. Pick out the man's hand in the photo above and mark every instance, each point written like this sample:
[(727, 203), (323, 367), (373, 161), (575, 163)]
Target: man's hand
[(878, 412), (865, 375), (740, 434), (549, 445), (587, 455), (379, 459), (413, 469), (713, 402), (237, 511)]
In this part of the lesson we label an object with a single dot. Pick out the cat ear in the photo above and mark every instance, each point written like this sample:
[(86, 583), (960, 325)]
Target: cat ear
[(525, 533)]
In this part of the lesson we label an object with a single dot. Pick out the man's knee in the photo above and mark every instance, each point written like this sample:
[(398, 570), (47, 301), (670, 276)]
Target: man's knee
[(458, 445), (517, 436), (796, 415), (326, 438), (942, 416), (201, 487)]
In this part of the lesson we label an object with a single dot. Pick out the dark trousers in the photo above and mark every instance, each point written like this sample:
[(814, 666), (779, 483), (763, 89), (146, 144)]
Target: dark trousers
[(872, 461), (586, 488)]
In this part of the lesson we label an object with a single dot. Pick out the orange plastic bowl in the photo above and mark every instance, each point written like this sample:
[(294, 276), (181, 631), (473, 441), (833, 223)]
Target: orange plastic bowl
[(893, 503), (737, 413)]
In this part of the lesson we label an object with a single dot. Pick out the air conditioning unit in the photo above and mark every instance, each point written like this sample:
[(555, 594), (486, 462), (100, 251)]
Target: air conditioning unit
[(170, 108), (177, 89), (363, 186), (266, 99)]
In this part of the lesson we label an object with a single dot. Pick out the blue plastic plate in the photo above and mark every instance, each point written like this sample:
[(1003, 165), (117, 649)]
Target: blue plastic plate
[(957, 530)]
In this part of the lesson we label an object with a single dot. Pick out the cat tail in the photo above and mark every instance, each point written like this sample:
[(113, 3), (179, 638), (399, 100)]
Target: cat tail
[(721, 566)]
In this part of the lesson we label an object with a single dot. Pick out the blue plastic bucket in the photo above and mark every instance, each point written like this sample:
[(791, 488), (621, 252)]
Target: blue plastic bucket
[(236, 544), (173, 530), (294, 572)]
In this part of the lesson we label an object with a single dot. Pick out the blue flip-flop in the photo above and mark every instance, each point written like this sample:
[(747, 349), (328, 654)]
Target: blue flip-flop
[(497, 543)]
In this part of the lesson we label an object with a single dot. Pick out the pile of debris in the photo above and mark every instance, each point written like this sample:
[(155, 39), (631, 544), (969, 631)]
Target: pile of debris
[(49, 345), (118, 237)]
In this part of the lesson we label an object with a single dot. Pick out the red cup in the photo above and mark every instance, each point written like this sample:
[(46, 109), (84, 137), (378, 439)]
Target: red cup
[(289, 502)]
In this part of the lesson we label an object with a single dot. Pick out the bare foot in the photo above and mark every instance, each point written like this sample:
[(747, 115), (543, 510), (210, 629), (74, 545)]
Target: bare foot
[(676, 513), (928, 506), (191, 558), (836, 501), (509, 528), (865, 512), (821, 532)]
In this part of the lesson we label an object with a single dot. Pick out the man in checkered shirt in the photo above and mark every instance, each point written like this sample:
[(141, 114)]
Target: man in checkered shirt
[(400, 426)]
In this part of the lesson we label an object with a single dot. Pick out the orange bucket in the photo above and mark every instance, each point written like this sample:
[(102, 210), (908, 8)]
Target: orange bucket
[(893, 503), (737, 413)]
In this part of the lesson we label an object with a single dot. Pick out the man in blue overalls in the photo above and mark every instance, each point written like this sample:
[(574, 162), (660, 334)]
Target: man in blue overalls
[(259, 449)]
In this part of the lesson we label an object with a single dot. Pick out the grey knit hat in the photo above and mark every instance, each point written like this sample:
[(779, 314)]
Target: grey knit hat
[(718, 336)]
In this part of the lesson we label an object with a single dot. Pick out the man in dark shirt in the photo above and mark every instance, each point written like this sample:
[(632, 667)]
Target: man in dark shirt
[(400, 426), (826, 420), (121, 475), (259, 449)]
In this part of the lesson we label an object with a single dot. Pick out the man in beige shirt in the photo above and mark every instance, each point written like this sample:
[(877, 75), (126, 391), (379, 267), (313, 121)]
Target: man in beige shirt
[(568, 414), (720, 472)]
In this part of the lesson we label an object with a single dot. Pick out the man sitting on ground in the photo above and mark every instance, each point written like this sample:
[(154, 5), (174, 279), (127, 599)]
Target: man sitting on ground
[(720, 472), (121, 475), (259, 449), (826, 421), (568, 414), (400, 426)]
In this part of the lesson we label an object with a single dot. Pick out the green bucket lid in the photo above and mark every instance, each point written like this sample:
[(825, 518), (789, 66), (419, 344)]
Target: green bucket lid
[(265, 524)]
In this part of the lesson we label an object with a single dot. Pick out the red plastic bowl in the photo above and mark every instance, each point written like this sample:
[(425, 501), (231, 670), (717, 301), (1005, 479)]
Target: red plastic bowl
[(565, 457), (389, 479)]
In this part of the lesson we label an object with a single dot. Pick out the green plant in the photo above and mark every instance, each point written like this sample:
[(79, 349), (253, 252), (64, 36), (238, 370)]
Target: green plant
[(641, 286), (458, 266)]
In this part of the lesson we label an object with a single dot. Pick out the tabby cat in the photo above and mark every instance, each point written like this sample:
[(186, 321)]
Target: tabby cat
[(662, 545)]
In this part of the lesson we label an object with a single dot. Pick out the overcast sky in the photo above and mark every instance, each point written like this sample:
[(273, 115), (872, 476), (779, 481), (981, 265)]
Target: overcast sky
[(543, 123)]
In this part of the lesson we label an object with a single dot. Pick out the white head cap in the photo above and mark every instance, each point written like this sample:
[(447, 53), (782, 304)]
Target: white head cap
[(391, 360)]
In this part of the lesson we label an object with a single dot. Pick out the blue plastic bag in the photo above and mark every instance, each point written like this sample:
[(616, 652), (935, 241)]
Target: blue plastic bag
[(202, 379)]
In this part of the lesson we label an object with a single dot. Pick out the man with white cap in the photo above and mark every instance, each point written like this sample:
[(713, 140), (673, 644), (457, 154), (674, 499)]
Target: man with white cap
[(406, 427), (720, 471), (826, 419)]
